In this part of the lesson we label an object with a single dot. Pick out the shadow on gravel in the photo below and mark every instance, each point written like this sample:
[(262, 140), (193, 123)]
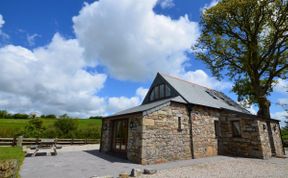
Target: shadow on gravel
[(111, 157)]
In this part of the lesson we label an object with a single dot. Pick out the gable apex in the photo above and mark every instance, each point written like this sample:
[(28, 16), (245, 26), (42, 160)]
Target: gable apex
[(160, 80)]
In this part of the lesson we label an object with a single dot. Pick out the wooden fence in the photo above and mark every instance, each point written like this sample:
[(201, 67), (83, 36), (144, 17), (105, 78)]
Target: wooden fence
[(34, 141)]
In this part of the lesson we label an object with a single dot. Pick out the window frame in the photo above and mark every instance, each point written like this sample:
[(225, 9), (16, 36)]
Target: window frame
[(155, 91), (234, 134)]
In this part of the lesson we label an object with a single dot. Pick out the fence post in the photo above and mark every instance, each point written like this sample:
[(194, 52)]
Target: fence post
[(85, 140), (14, 141), (20, 141), (72, 141)]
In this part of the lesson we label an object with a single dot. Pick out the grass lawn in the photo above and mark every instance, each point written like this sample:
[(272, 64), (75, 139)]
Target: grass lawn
[(20, 123), (8, 127), (11, 153)]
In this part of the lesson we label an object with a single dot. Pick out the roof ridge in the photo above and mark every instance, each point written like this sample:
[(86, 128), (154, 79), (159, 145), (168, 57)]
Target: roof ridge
[(178, 78)]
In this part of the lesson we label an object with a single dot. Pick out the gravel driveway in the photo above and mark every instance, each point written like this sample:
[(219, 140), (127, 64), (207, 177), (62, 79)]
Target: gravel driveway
[(86, 161), (231, 167)]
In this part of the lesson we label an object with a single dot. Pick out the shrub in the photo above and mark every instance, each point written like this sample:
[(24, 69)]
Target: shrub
[(66, 127), (34, 128), (50, 132), (91, 132)]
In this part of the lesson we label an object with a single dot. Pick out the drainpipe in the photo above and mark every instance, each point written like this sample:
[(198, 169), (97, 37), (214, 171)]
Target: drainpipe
[(190, 131)]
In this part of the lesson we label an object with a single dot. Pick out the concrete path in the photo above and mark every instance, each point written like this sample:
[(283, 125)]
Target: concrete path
[(76, 163), (87, 161)]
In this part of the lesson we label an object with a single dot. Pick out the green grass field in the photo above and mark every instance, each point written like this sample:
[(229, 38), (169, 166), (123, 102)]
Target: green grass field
[(9, 127), (11, 153)]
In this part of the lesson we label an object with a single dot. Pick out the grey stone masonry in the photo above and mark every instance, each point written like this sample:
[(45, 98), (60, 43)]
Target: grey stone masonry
[(204, 138), (163, 134), (163, 140)]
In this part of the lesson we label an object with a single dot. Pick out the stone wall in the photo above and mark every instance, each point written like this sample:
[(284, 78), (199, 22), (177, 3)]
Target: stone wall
[(135, 139), (264, 138), (134, 142), (106, 135), (205, 142), (156, 138), (8, 168), (254, 141), (162, 140), (277, 138), (247, 145)]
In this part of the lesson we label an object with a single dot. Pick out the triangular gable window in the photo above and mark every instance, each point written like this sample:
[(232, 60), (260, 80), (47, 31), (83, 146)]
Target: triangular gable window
[(159, 92)]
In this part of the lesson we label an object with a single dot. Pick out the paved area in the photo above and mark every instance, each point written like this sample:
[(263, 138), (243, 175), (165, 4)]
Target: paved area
[(86, 161)]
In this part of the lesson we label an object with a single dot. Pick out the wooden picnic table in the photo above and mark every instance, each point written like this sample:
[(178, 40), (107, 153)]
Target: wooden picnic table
[(46, 144)]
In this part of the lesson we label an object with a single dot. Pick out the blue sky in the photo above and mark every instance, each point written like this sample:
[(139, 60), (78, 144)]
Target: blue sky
[(97, 57)]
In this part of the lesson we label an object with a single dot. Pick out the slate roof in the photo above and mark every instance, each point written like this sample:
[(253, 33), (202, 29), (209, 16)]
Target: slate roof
[(190, 93), (199, 95), (145, 107)]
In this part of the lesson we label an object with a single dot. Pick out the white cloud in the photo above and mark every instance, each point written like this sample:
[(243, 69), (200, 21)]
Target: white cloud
[(166, 4), (2, 22), (200, 77), (282, 116), (281, 86), (141, 92), (133, 42), (49, 79), (31, 38), (282, 101), (252, 109), (207, 6), (116, 104), (2, 34)]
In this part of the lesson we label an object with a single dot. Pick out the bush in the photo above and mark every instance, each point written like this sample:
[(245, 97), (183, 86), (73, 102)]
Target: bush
[(50, 132), (66, 127), (34, 128), (91, 132)]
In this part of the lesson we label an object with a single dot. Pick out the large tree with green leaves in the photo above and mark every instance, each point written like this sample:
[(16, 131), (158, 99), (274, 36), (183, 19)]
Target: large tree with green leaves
[(247, 41)]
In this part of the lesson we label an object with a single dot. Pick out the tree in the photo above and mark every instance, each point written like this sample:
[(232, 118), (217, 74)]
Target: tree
[(20, 116), (95, 117), (3, 114), (247, 40)]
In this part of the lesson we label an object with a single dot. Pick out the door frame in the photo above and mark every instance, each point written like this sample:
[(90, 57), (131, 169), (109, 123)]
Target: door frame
[(120, 152)]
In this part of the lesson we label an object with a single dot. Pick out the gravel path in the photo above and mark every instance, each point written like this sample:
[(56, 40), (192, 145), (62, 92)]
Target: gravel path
[(231, 167)]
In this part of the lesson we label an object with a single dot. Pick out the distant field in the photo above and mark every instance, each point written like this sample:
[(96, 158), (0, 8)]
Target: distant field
[(9, 127)]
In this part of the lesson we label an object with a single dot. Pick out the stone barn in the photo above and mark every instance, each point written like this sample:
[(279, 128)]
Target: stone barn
[(180, 120)]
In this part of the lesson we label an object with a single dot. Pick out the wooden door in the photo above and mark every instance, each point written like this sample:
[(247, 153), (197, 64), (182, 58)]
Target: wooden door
[(120, 135)]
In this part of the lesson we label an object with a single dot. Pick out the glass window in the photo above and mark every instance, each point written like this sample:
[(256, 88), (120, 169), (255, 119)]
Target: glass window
[(161, 91), (152, 95), (156, 92), (168, 91), (236, 130)]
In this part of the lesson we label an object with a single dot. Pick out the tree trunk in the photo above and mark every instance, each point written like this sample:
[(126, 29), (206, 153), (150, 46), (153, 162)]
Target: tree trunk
[(264, 108)]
